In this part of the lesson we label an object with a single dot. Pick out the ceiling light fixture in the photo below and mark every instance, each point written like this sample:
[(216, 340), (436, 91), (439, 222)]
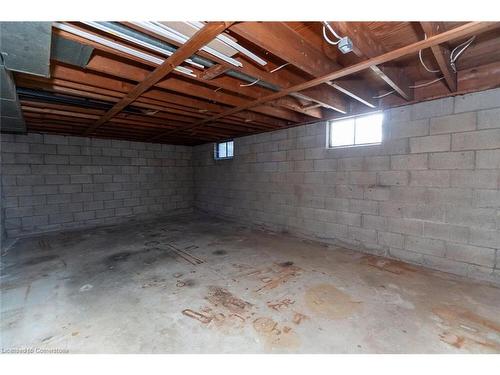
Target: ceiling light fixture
[(118, 46), (344, 44)]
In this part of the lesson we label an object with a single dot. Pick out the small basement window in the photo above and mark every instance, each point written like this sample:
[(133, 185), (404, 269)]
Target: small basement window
[(224, 150), (360, 130)]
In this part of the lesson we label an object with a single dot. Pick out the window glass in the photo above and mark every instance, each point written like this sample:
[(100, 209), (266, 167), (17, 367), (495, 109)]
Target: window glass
[(230, 149), (224, 150), (369, 129), (342, 133), (356, 130)]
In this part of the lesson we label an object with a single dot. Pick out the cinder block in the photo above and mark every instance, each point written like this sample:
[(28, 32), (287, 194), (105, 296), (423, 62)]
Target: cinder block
[(350, 164), (488, 159), (476, 140), (15, 169), (363, 206), (362, 178), (85, 215), (333, 230), (66, 189), (42, 189), (471, 254), (446, 232), (392, 240), (374, 222), (14, 147), (363, 235), (55, 139), (68, 150), (29, 180), (325, 165), (60, 218), (478, 100), (56, 179), (471, 217), (56, 159), (405, 226), (377, 193), (488, 119), (430, 178), (406, 129), (481, 179), (433, 108), (454, 123), (409, 162), (486, 198), (425, 246), (376, 163), (484, 237), (389, 178), (433, 143), (452, 160), (348, 218)]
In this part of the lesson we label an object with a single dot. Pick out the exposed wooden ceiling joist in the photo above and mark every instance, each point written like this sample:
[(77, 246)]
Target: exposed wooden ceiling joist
[(365, 47), (458, 32), (198, 40), (441, 54)]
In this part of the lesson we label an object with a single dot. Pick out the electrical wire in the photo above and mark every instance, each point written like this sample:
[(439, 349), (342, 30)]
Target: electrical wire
[(426, 83), (279, 67), (257, 80), (453, 57), (331, 30), (422, 61), (326, 25), (384, 95), (250, 84)]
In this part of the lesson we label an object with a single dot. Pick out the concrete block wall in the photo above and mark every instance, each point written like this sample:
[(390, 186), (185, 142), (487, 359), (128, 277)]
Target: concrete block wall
[(429, 194), (52, 182)]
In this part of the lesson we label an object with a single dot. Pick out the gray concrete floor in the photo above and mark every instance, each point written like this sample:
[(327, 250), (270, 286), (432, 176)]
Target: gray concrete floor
[(194, 284)]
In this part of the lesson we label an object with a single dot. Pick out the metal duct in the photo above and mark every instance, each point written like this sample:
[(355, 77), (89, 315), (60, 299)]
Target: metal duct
[(197, 59), (11, 116), (70, 52), (25, 47), (47, 96)]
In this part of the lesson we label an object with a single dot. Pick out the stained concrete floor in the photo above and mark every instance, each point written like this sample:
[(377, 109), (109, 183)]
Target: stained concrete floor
[(194, 284)]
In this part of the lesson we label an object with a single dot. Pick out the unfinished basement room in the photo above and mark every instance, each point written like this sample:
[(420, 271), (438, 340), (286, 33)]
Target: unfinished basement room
[(250, 187)]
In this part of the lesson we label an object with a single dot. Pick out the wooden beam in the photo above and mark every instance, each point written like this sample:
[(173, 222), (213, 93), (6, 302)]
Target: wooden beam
[(355, 89), (365, 46), (441, 54), (457, 32), (212, 72), (104, 64), (288, 45), (198, 40)]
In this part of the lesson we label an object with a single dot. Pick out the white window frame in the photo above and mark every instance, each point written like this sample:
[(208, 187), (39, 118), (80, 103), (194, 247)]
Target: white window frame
[(216, 150), (329, 131)]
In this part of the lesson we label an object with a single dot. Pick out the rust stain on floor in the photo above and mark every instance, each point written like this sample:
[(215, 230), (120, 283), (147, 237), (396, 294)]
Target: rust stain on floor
[(468, 329), (328, 301), (389, 265), (274, 335), (280, 305), (298, 318), (222, 297), (285, 272)]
